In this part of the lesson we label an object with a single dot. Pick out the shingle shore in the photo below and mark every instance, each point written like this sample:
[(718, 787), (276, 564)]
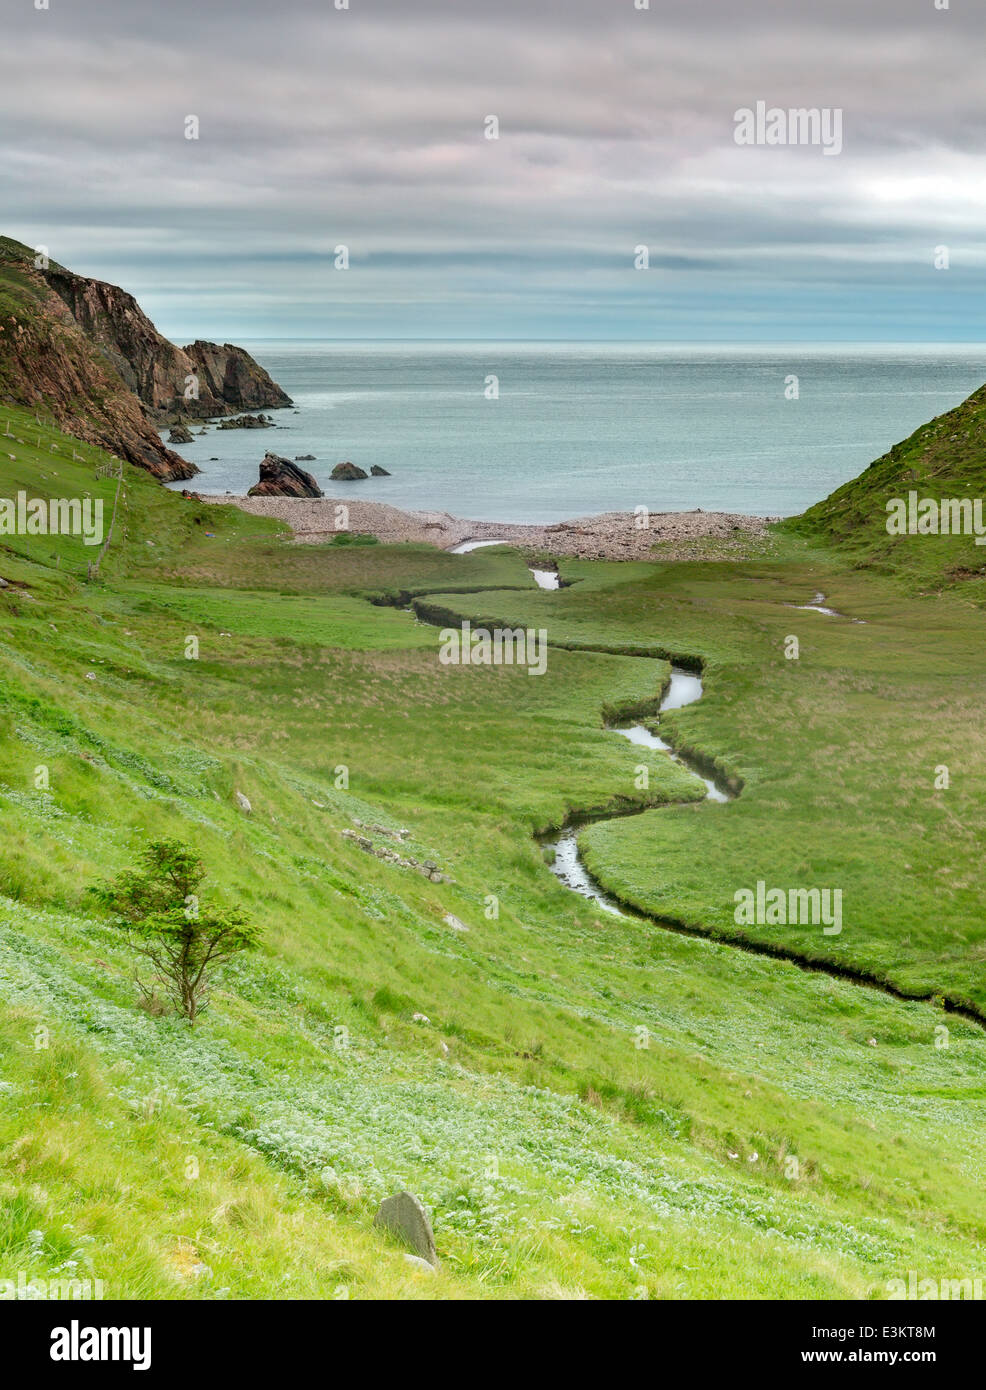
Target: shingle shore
[(609, 536)]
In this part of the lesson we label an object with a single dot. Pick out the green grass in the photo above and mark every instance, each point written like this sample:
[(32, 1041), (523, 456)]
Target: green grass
[(836, 752), (946, 458), (560, 1156), (311, 621)]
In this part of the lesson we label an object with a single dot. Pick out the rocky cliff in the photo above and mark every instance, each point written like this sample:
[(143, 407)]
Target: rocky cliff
[(201, 380), (229, 375), (152, 368), (86, 353), (48, 363)]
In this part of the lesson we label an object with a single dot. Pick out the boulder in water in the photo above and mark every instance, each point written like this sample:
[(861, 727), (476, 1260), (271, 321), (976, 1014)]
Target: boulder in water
[(347, 473)]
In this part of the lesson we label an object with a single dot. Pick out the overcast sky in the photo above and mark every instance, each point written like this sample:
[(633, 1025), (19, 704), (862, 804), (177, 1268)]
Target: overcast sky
[(364, 127)]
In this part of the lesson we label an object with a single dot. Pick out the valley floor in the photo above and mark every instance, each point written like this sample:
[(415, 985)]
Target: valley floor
[(591, 1106)]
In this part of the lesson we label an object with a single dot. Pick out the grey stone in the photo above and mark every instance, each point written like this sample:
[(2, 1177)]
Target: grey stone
[(347, 473), (404, 1215)]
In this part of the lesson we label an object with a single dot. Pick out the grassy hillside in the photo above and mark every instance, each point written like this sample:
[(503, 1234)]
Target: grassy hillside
[(590, 1107), (945, 458)]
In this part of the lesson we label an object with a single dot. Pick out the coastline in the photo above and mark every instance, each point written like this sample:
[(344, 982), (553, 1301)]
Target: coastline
[(607, 536)]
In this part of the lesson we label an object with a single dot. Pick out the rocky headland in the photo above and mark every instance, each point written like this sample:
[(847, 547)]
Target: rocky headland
[(84, 352)]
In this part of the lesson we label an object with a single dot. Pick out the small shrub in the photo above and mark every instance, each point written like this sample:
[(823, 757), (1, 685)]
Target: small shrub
[(159, 908)]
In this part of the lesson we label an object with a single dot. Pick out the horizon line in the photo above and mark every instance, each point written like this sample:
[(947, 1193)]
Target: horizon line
[(636, 342)]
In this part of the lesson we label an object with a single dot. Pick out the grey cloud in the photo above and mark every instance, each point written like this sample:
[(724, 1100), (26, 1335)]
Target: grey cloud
[(365, 127)]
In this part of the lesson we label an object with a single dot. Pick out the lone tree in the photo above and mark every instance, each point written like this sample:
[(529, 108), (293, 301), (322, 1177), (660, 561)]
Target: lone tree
[(159, 908)]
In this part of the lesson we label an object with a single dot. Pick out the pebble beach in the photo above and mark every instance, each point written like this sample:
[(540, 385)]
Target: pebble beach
[(608, 536)]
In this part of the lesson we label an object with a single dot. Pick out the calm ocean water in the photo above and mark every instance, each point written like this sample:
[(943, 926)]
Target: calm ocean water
[(584, 428)]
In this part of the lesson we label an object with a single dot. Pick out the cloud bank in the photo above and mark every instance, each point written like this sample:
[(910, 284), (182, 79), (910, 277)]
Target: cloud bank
[(366, 128)]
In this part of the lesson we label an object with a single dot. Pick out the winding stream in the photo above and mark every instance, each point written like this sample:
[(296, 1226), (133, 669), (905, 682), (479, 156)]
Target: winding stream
[(544, 579), (685, 689), (819, 607)]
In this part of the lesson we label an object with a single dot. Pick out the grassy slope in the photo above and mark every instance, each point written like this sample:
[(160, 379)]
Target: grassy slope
[(619, 1167), (946, 458)]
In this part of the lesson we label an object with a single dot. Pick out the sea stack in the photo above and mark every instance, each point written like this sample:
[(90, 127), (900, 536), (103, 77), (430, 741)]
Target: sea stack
[(281, 478)]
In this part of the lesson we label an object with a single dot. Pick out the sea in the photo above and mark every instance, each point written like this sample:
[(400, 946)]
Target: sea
[(540, 432)]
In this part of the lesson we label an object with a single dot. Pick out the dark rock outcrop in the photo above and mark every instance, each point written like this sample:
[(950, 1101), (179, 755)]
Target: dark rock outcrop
[(247, 422), (347, 473), (230, 375), (377, 472), (282, 478), (180, 434)]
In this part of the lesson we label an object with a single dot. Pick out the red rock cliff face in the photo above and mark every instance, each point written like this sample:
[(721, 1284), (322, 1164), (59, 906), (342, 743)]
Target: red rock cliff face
[(154, 369), (201, 380), (49, 364), (86, 352)]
